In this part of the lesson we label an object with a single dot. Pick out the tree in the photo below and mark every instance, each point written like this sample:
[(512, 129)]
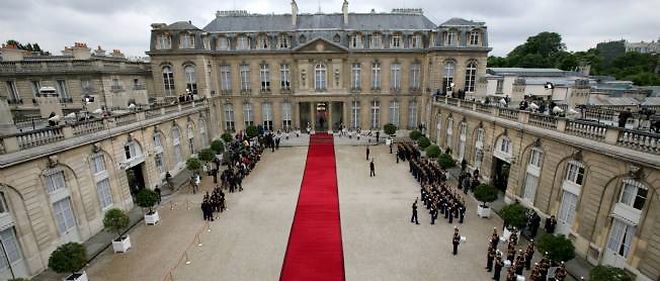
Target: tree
[(116, 220), (227, 137), (514, 215), (208, 154), (423, 142), (433, 151), (68, 258), (193, 164), (485, 193), (218, 146), (147, 198), (608, 273), (251, 131), (415, 135), (389, 129), (559, 248), (494, 61), (445, 161)]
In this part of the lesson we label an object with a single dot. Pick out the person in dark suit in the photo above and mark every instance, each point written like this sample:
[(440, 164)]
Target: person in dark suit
[(455, 241), (413, 218), (372, 169), (499, 263), (490, 257), (550, 224), (367, 153)]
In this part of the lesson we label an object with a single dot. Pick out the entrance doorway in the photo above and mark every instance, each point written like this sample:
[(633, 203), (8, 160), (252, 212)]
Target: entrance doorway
[(500, 173), (321, 117), (135, 179)]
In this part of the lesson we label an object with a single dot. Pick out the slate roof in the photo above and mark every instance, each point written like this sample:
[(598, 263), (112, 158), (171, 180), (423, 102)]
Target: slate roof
[(282, 22), (181, 25), (460, 21)]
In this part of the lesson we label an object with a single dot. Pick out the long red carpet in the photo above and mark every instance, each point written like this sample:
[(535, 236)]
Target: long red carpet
[(315, 248)]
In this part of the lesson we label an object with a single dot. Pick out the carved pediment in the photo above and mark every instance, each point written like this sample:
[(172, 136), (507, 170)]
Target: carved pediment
[(320, 45)]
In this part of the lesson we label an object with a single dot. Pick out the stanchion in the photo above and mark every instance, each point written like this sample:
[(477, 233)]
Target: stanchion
[(199, 241), (187, 204), (187, 259), (171, 206)]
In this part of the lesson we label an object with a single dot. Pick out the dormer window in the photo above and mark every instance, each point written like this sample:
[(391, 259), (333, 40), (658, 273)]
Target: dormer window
[(164, 41), (243, 43), (187, 41), (283, 41), (451, 38), (395, 43), (474, 38), (207, 43), (416, 41), (263, 42), (356, 41), (376, 41), (223, 43)]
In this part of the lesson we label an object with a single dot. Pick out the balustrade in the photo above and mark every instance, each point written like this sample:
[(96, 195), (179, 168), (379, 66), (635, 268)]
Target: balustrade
[(40, 137), (639, 140)]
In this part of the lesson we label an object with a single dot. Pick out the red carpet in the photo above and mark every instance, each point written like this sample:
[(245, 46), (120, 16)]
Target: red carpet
[(315, 248)]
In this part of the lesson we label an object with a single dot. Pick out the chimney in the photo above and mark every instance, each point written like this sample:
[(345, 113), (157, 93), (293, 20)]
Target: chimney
[(79, 51), (11, 53), (344, 10), (294, 12), (99, 52), (116, 53)]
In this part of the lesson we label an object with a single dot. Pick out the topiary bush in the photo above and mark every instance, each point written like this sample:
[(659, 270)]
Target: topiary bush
[(414, 135), (252, 131), (433, 151), (608, 273), (389, 129), (68, 258), (445, 161), (423, 142), (146, 198), (193, 164), (227, 137), (218, 146), (485, 193), (559, 248), (206, 154), (115, 220), (514, 215)]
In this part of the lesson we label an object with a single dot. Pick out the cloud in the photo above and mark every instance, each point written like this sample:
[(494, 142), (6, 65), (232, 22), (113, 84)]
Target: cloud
[(125, 24)]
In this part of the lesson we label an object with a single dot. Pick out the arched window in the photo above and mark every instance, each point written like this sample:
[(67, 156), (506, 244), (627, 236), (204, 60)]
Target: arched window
[(633, 194), (532, 175), (470, 77), (191, 138), (176, 144), (159, 156), (504, 149), (168, 80), (132, 150), (462, 138), (202, 132), (263, 42), (448, 77), (191, 79), (320, 74)]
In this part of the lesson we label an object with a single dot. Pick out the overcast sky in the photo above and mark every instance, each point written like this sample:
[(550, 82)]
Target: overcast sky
[(125, 24)]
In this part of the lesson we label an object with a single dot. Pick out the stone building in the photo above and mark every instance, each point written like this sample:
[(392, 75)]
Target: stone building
[(298, 70), (600, 182)]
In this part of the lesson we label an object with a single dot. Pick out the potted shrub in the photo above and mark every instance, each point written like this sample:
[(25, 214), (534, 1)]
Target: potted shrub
[(69, 258), (415, 135), (514, 219), (389, 129), (217, 146), (433, 151), (251, 131), (116, 221), (559, 248), (423, 142), (485, 193), (445, 161), (227, 137), (608, 273), (147, 198)]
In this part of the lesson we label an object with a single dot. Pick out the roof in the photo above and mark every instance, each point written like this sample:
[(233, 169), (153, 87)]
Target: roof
[(652, 101), (181, 25), (529, 72), (460, 21), (606, 100), (282, 22)]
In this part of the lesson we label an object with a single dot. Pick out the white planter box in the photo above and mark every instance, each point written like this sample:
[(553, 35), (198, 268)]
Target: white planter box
[(121, 246), (82, 277), (151, 219), (483, 212)]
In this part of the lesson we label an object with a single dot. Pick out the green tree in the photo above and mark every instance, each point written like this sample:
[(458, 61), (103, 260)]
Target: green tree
[(559, 248), (514, 215), (115, 220), (218, 146), (251, 131), (445, 161), (433, 151), (68, 258), (227, 137), (608, 273), (423, 142), (389, 129), (415, 135), (207, 154), (494, 61), (193, 164), (147, 198), (485, 193)]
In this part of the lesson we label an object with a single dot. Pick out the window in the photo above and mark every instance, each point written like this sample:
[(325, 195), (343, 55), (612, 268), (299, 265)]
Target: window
[(3, 204), (355, 76), (286, 115), (470, 77), (575, 172), (98, 163), (355, 114), (55, 181), (191, 79), (416, 41), (267, 112), (137, 85), (176, 143), (375, 75), (191, 138), (164, 41), (168, 81), (9, 242), (132, 150), (474, 38), (285, 77), (448, 79), (187, 41), (243, 43), (376, 41), (568, 206), (160, 162), (64, 216), (505, 145), (247, 114), (225, 78), (36, 85), (245, 77), (415, 76), (633, 194), (394, 113), (450, 131), (263, 42), (61, 88), (264, 75), (103, 191), (412, 114), (356, 41), (531, 182), (500, 86), (375, 114), (229, 118), (158, 141), (283, 41), (451, 38), (320, 74), (621, 237), (395, 80), (223, 43), (396, 41), (206, 41), (535, 158)]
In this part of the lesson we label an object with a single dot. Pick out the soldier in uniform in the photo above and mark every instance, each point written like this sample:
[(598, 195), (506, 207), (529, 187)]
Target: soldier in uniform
[(489, 259), (499, 263), (434, 213), (414, 213), (529, 254), (455, 241)]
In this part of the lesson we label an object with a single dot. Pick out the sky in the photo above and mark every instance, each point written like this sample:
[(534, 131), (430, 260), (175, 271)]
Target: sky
[(125, 24)]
